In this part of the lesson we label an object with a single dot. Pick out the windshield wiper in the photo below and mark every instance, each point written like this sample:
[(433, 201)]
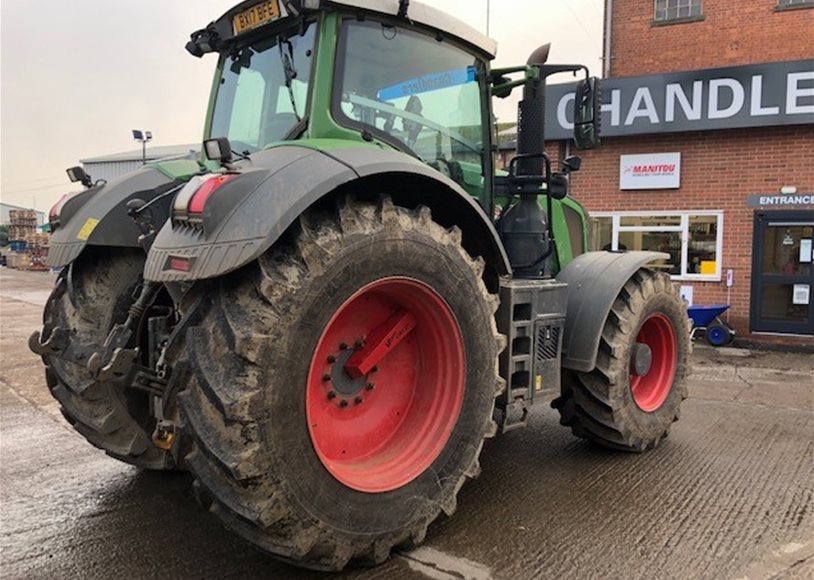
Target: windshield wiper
[(287, 58)]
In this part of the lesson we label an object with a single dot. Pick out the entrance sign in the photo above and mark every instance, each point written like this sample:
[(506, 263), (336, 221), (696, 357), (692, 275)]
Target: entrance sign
[(778, 200), (655, 171), (764, 95)]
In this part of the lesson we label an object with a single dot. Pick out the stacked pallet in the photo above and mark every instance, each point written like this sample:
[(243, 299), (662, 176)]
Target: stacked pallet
[(23, 224), (29, 248)]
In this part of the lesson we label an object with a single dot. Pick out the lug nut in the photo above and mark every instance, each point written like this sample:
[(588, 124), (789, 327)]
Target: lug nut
[(331, 359), (358, 400), (343, 403), (374, 370), (326, 378), (370, 386), (331, 395), (343, 346), (359, 344)]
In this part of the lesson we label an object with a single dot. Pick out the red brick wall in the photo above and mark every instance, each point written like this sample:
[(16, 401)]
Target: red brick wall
[(732, 33), (719, 170)]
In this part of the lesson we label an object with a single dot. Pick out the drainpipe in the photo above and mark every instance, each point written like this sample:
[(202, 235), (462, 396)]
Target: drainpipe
[(606, 61)]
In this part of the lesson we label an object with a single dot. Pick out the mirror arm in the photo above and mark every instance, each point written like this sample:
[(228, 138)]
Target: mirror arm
[(502, 86), (547, 70)]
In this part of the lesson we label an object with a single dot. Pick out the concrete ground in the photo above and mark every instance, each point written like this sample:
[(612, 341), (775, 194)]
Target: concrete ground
[(729, 495)]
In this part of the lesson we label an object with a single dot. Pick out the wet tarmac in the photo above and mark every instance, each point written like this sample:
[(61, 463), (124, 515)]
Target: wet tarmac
[(730, 494)]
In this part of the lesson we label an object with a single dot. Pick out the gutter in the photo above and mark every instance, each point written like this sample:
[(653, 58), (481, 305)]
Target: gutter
[(607, 57)]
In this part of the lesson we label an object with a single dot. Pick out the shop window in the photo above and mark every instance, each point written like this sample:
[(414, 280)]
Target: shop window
[(693, 240), (678, 10)]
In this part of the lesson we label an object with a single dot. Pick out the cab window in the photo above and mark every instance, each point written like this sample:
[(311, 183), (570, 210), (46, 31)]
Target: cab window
[(421, 94), (263, 90)]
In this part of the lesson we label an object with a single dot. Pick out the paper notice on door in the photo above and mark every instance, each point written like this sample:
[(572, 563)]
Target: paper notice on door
[(806, 255), (686, 293), (802, 294)]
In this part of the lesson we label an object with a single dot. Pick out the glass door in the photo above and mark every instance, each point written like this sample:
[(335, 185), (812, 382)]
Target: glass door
[(783, 273)]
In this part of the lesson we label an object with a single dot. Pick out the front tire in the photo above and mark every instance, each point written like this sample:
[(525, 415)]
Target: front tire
[(617, 405), (294, 455)]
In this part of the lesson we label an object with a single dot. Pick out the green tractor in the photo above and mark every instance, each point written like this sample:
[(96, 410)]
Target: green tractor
[(352, 298)]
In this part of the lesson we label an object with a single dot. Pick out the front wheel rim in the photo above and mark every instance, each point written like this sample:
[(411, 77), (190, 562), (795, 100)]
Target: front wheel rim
[(380, 430), (652, 389)]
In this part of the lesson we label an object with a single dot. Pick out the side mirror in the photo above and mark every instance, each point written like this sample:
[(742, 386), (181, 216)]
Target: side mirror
[(588, 114), (558, 186), (78, 175), (219, 149)]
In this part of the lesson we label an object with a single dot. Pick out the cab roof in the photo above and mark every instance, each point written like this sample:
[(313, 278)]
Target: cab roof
[(221, 32)]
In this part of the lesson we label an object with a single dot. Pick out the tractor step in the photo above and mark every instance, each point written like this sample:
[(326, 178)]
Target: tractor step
[(532, 317)]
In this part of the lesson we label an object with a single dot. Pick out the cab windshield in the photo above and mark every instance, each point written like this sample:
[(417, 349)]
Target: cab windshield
[(419, 93), (263, 90)]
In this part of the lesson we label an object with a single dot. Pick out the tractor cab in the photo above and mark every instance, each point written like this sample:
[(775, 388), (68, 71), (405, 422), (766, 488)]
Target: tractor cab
[(402, 77)]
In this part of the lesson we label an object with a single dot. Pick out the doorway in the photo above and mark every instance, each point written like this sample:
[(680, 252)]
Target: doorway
[(783, 273)]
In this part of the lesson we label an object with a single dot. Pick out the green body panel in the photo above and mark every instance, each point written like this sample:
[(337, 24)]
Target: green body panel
[(177, 169), (321, 124), (564, 245)]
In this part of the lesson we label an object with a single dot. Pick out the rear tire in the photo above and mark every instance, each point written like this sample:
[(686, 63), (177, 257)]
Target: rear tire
[(90, 296), (610, 405), (252, 359)]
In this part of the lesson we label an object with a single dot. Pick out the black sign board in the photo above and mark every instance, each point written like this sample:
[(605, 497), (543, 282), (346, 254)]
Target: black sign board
[(763, 95), (780, 200)]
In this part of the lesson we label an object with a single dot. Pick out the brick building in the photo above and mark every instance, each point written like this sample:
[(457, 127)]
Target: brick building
[(708, 153)]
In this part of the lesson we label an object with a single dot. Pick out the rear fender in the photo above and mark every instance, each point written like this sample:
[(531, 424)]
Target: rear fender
[(247, 215), (98, 216), (594, 281)]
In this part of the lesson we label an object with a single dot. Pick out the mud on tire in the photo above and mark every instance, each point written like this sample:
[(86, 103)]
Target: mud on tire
[(600, 406), (245, 406), (91, 296)]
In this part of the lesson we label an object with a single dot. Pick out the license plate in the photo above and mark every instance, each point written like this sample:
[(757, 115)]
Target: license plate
[(257, 15)]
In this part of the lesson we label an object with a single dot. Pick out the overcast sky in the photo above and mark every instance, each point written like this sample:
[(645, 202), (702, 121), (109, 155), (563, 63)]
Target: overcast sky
[(76, 76)]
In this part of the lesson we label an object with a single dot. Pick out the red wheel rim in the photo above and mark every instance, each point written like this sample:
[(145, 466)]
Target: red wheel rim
[(381, 430), (652, 389)]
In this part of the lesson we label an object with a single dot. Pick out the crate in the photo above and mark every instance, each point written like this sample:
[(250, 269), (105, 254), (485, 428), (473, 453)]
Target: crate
[(18, 232), (22, 216)]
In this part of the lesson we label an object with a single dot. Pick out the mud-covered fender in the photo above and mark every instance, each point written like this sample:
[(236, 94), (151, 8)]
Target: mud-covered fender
[(248, 214), (594, 281), (98, 216)]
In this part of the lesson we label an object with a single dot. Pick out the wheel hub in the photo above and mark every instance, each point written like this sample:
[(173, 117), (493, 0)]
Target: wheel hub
[(339, 385), (641, 359)]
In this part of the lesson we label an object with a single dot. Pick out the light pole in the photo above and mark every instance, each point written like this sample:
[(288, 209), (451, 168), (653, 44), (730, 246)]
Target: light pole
[(143, 137), (488, 13)]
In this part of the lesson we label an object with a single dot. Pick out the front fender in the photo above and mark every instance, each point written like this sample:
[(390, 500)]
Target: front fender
[(594, 281), (249, 214)]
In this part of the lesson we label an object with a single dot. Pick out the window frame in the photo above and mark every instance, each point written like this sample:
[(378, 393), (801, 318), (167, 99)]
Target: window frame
[(678, 19), (683, 229), (783, 5)]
